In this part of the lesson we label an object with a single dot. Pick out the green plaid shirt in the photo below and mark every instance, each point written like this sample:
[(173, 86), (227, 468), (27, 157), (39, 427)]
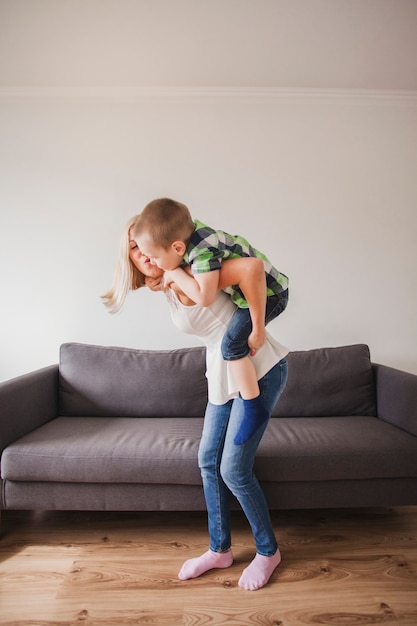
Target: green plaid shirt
[(208, 248)]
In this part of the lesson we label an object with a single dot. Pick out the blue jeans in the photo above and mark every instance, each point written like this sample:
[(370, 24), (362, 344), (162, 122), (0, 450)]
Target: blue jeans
[(226, 467), (235, 339)]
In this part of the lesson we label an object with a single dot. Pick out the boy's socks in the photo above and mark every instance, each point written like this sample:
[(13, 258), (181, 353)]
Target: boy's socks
[(254, 415), (209, 560), (257, 574)]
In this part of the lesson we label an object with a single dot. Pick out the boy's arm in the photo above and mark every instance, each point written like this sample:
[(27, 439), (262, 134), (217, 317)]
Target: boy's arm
[(249, 274), (201, 288), (246, 272)]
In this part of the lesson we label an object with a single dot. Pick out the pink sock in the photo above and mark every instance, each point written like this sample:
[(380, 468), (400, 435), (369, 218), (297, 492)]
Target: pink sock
[(209, 560), (257, 574)]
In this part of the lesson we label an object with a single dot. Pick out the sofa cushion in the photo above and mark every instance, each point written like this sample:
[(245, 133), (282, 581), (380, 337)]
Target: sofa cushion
[(101, 381), (335, 448), (328, 382), (107, 450), (164, 451)]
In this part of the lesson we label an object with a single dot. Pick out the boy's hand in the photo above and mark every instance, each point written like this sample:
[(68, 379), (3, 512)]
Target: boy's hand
[(168, 278), (256, 340)]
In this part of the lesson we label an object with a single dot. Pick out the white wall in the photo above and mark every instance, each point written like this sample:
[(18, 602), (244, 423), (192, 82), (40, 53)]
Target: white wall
[(324, 182), (356, 44)]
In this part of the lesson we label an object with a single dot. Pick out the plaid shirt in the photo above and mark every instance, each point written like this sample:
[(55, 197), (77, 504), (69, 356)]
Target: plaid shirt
[(208, 248)]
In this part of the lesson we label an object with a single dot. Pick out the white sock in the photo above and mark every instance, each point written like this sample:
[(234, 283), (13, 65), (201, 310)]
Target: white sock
[(257, 574), (209, 560)]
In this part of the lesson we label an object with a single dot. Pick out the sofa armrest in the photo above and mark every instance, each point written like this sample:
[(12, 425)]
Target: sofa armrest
[(396, 397), (27, 402)]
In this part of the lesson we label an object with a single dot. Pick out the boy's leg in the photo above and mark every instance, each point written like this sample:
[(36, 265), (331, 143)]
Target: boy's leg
[(275, 305), (254, 416), (235, 350), (243, 371), (235, 340)]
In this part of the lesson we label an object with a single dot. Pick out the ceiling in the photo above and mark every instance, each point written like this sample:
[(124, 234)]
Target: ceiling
[(329, 44)]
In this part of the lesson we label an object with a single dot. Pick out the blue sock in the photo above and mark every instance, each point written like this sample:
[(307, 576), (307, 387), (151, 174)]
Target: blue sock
[(254, 415)]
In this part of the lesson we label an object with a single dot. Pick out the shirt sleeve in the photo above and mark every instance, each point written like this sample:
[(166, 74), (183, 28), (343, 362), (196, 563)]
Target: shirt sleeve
[(205, 258)]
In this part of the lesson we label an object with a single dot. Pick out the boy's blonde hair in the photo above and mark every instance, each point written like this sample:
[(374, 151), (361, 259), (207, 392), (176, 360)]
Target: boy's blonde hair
[(127, 277), (165, 221)]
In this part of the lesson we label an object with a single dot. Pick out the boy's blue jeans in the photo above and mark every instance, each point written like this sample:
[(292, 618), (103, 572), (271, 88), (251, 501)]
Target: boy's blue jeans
[(235, 339), (226, 467)]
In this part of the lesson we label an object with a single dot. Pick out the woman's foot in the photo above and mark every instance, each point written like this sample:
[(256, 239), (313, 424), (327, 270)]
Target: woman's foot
[(209, 560), (257, 574)]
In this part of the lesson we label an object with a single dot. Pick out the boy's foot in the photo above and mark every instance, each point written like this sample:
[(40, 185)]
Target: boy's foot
[(254, 415), (257, 574), (209, 560)]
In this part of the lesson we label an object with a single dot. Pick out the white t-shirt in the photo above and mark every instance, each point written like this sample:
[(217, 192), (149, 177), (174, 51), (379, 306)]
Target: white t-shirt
[(209, 324)]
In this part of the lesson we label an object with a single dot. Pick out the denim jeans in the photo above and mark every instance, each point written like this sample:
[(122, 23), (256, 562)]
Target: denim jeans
[(235, 339), (226, 467)]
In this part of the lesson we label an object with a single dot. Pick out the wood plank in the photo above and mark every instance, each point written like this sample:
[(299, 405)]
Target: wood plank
[(340, 568)]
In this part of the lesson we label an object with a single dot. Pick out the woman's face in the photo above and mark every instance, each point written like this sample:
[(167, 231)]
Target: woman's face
[(142, 262)]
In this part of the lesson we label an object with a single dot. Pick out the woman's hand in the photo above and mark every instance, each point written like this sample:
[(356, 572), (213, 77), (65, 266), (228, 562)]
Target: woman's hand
[(256, 340), (154, 284)]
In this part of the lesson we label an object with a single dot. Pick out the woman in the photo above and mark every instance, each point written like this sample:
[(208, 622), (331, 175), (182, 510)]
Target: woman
[(225, 467)]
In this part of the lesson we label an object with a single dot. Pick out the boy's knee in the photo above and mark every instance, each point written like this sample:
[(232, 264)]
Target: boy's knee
[(234, 349)]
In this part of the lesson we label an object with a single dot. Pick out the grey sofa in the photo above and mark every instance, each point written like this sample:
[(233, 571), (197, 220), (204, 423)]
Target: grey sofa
[(118, 429)]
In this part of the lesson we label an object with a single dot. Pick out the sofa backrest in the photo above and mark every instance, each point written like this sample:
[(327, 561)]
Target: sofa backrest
[(328, 382), (109, 381), (99, 381)]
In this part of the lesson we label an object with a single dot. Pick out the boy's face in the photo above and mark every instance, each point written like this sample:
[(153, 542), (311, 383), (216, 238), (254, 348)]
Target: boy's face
[(143, 262), (165, 259)]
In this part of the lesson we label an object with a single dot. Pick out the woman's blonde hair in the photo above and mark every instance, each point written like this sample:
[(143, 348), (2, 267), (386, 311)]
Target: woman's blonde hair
[(127, 277)]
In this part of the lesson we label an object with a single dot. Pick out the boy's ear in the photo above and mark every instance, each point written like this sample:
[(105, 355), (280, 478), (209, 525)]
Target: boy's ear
[(179, 247)]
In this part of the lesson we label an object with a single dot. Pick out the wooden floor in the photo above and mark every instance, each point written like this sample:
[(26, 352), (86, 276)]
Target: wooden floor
[(340, 568)]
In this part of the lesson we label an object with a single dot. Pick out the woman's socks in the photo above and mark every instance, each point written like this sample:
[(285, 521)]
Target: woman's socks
[(209, 560), (254, 415), (257, 574)]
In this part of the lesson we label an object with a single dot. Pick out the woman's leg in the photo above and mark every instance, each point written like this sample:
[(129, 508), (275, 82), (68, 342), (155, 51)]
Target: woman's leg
[(237, 472), (216, 494)]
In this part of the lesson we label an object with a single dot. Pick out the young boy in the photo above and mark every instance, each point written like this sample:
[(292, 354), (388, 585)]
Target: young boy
[(167, 234)]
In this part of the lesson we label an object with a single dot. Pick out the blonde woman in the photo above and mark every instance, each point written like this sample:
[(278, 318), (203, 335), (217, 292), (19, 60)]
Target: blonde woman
[(225, 467)]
